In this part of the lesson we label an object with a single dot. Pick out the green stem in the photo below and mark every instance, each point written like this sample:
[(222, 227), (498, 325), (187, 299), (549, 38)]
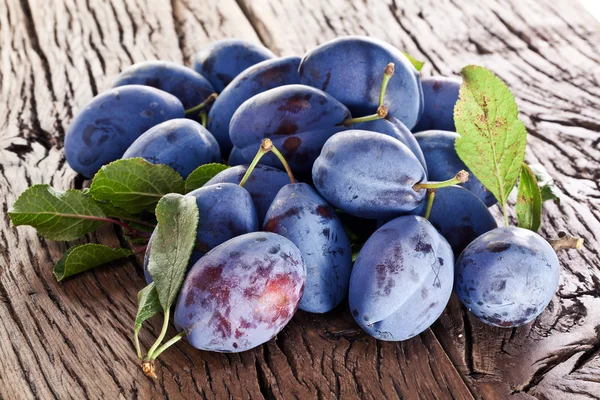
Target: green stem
[(505, 213), (163, 332), (209, 100), (460, 177), (285, 164), (138, 349), (168, 344), (430, 198), (388, 72), (204, 118), (265, 147)]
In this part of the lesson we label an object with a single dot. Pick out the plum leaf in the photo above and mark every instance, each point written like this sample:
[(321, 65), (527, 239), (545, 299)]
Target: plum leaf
[(529, 201), (57, 215), (548, 189), (86, 256), (415, 63), (172, 244), (203, 174), (134, 184), (148, 306)]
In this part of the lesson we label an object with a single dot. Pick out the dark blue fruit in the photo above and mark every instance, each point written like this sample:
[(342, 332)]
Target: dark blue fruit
[(263, 185), (440, 94), (109, 123), (304, 217), (236, 158), (187, 85), (297, 118), (507, 276), (351, 70), (256, 79), (402, 279), (182, 144), (368, 175), (443, 162), (223, 60), (242, 293)]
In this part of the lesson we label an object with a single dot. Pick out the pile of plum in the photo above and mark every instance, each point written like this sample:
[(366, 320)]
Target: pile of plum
[(372, 144)]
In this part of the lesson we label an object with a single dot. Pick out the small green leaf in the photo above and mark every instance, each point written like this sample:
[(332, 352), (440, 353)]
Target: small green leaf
[(86, 256), (416, 63), (172, 244), (492, 138), (148, 306), (529, 201), (548, 189), (134, 184), (203, 174), (57, 215)]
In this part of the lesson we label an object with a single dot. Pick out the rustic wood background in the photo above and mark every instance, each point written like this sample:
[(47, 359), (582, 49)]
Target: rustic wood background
[(73, 339)]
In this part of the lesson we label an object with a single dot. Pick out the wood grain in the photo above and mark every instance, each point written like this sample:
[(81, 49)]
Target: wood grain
[(72, 340)]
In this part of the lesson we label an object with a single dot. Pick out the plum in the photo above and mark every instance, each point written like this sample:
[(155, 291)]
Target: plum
[(221, 61), (182, 144), (304, 217), (440, 95), (241, 293), (507, 276), (111, 122), (402, 279), (256, 79), (236, 158)]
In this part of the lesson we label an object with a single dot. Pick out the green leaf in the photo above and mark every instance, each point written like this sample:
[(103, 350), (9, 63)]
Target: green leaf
[(148, 306), (529, 201), (548, 189), (172, 244), (492, 138), (416, 63), (135, 221), (203, 174), (57, 215), (86, 256), (134, 184)]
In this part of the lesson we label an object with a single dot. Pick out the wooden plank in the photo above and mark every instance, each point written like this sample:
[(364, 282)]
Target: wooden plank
[(547, 52)]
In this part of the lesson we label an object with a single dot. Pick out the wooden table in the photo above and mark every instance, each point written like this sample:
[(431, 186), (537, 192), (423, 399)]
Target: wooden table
[(73, 339)]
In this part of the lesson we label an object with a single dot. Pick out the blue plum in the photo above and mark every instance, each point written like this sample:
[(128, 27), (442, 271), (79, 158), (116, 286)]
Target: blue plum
[(443, 162), (440, 94), (236, 158), (256, 79), (221, 61), (297, 118), (182, 144), (242, 293), (187, 85), (368, 175), (111, 121), (263, 185), (351, 70), (304, 217), (402, 279), (507, 276)]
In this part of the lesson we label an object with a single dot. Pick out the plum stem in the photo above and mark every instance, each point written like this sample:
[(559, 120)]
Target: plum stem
[(565, 242), (162, 334), (265, 146), (430, 198), (204, 118), (209, 100), (168, 344), (285, 164), (388, 72), (461, 177), (149, 369)]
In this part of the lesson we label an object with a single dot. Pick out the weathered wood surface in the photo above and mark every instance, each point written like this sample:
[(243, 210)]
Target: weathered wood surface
[(73, 340)]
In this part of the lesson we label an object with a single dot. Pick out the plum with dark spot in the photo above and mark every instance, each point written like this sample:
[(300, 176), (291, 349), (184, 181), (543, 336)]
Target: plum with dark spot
[(351, 69), (182, 144), (111, 121), (263, 185), (221, 61), (440, 94), (402, 279), (506, 277), (256, 79), (297, 118), (241, 293), (369, 175), (304, 217), (443, 162)]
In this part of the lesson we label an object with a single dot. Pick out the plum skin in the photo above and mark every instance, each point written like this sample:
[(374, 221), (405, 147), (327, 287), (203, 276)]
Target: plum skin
[(507, 276), (440, 96), (241, 293), (402, 279), (304, 217), (182, 144)]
